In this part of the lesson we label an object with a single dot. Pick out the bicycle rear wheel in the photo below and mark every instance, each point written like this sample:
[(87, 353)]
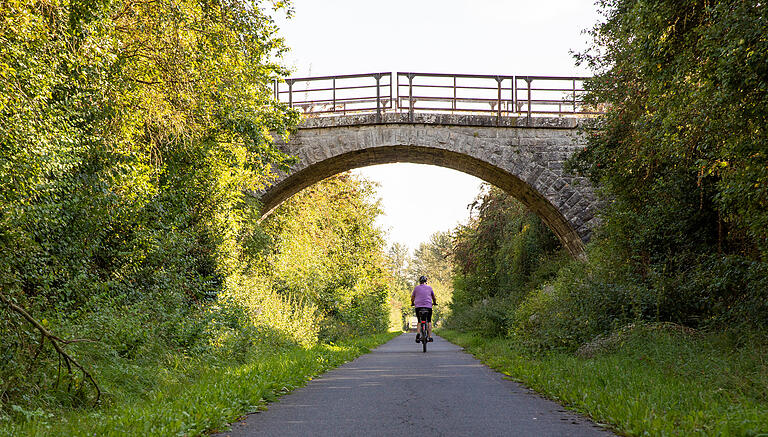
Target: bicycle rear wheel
[(424, 338)]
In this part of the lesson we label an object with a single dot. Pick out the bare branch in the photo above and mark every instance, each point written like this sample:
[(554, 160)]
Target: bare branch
[(55, 341)]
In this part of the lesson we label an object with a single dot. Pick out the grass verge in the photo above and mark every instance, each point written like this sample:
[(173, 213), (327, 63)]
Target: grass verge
[(646, 382), (207, 399)]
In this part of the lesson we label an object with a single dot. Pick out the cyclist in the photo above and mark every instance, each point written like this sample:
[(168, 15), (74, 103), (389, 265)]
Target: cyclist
[(423, 297)]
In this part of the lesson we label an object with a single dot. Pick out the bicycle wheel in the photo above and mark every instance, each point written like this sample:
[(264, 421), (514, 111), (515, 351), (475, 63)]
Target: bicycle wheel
[(424, 338)]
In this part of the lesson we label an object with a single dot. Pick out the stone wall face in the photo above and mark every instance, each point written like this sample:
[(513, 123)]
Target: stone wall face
[(524, 157)]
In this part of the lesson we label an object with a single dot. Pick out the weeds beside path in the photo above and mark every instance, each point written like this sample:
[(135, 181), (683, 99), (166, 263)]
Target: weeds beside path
[(213, 397), (650, 383)]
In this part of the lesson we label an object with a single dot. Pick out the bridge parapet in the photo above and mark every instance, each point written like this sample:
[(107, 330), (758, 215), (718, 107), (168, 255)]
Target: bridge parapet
[(440, 119), (412, 93)]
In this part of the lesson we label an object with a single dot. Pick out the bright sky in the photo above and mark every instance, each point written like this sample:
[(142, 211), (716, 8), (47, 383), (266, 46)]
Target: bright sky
[(503, 37)]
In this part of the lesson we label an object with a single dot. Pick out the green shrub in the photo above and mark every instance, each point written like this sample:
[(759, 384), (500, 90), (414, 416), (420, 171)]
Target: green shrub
[(724, 292), (490, 317), (585, 299)]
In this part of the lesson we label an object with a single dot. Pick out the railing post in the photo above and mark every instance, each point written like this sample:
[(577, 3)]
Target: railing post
[(574, 95), (454, 93), (334, 95), (514, 94), (290, 92), (392, 93), (498, 101), (529, 80), (276, 88), (410, 97), (378, 97)]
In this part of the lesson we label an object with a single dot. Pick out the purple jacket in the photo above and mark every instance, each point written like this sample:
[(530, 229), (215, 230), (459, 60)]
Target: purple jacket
[(422, 296)]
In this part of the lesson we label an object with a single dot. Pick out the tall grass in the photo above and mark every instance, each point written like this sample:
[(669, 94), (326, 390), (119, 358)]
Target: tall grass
[(646, 381), (196, 397)]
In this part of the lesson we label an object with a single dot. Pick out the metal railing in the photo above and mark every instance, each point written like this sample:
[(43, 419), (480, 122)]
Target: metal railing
[(350, 93), (502, 96)]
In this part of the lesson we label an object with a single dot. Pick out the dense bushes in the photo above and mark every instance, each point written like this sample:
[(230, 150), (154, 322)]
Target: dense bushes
[(254, 309), (564, 303), (684, 138), (583, 301), (681, 155), (262, 305)]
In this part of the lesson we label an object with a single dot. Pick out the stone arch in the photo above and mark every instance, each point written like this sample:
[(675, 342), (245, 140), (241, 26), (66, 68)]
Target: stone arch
[(524, 161)]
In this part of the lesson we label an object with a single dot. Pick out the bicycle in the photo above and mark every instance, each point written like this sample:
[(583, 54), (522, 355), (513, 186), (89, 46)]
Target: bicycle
[(423, 325)]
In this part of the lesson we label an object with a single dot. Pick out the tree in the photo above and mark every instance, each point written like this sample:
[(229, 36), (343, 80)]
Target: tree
[(398, 261), (328, 251), (680, 154), (499, 257), (431, 258), (128, 130)]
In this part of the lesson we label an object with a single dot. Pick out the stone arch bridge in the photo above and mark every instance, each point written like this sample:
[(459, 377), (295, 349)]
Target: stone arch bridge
[(517, 141)]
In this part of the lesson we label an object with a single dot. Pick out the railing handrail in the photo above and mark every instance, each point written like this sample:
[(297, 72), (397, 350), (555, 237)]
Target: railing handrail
[(468, 76), (338, 76), (338, 88)]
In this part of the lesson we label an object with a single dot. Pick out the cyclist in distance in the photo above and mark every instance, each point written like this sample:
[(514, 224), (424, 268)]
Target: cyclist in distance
[(423, 297)]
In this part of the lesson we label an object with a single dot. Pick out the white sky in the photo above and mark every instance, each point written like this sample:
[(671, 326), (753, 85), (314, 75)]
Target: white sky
[(503, 37)]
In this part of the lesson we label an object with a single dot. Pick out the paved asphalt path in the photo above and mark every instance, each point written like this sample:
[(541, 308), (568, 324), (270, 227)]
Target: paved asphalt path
[(397, 390)]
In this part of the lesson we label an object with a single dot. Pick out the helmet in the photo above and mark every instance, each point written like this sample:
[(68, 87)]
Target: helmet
[(422, 279)]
